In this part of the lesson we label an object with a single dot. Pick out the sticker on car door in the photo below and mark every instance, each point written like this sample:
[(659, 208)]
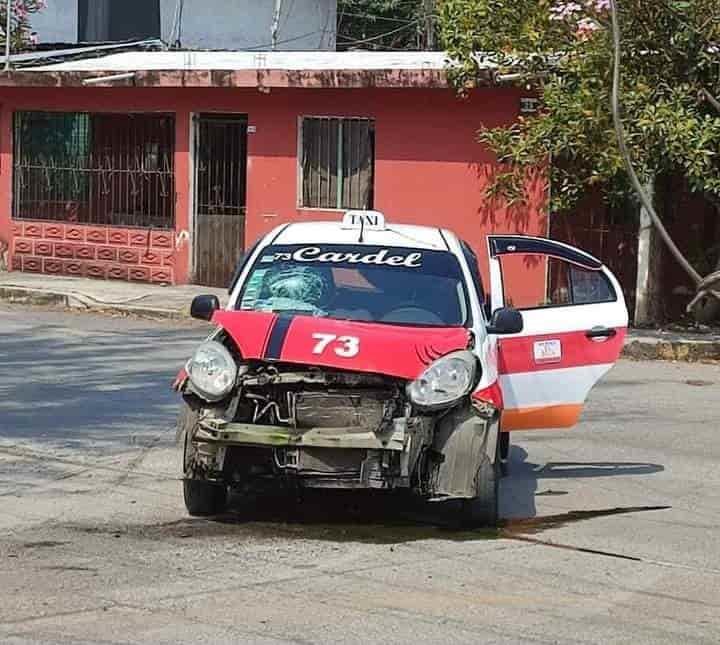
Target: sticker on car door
[(547, 351)]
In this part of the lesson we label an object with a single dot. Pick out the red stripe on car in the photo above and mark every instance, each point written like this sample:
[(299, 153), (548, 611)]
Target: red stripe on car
[(517, 355), (249, 329)]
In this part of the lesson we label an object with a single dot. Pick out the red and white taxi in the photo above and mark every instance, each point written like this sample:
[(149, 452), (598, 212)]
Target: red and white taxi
[(366, 354)]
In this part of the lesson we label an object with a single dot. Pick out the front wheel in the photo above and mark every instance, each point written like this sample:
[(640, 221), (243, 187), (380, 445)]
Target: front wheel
[(482, 510), (504, 452), (204, 498)]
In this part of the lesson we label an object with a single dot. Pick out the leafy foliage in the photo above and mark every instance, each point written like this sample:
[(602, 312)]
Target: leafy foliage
[(381, 24), (21, 33), (671, 72)]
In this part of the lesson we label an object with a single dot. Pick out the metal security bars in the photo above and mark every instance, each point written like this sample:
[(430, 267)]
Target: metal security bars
[(113, 169), (337, 162)]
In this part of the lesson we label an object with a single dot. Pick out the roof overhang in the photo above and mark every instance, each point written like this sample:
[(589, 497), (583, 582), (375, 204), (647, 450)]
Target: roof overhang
[(259, 78), (263, 71)]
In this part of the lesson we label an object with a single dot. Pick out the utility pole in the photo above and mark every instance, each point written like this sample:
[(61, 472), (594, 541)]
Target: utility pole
[(274, 28), (429, 9), (8, 29)]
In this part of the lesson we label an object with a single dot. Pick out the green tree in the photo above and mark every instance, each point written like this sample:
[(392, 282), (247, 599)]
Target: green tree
[(21, 34), (671, 76), (384, 24), (563, 50)]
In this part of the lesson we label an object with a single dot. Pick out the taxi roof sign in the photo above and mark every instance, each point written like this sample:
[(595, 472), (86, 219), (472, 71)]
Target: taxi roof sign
[(367, 220)]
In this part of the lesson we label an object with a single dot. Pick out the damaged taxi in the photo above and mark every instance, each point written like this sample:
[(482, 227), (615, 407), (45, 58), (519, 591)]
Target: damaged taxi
[(366, 354)]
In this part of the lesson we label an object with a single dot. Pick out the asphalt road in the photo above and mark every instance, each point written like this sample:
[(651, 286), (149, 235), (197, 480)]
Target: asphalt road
[(95, 546)]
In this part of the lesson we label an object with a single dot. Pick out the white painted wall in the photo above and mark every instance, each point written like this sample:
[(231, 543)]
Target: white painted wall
[(217, 24), (246, 24)]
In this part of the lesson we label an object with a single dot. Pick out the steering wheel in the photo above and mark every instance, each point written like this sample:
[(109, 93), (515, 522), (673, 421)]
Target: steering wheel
[(409, 313)]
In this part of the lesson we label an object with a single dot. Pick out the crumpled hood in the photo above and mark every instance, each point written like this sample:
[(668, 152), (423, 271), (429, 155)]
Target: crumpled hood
[(393, 350)]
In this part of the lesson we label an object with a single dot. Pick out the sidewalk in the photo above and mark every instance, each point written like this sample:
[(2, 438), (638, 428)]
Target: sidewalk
[(174, 302), (105, 295)]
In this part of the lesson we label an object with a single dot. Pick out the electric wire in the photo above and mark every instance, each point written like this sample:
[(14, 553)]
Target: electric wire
[(266, 46), (369, 16), (360, 41)]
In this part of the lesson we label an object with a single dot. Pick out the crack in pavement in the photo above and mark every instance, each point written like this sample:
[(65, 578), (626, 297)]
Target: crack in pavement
[(610, 554), (121, 471)]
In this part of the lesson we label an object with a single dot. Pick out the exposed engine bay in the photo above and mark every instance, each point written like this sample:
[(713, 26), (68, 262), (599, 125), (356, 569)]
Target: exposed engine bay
[(305, 426)]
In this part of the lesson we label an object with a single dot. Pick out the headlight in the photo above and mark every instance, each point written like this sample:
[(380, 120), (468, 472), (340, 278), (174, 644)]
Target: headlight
[(448, 379), (212, 371)]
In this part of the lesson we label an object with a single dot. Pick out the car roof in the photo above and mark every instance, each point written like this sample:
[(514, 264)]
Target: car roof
[(403, 235)]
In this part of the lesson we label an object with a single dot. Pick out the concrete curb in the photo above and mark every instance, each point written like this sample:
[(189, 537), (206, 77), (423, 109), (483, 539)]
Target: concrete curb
[(30, 296), (686, 350)]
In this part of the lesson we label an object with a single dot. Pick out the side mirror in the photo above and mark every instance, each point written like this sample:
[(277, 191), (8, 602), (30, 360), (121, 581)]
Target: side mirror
[(505, 320), (203, 307)]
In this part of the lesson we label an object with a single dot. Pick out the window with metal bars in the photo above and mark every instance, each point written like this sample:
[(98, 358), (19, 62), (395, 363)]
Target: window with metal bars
[(337, 163), (113, 169)]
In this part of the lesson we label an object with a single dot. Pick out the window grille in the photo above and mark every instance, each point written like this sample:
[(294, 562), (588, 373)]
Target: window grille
[(114, 169), (337, 163)]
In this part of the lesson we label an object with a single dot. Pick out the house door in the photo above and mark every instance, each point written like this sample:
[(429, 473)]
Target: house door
[(219, 197), (574, 318)]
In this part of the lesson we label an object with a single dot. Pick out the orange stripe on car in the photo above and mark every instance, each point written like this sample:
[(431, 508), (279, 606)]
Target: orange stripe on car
[(550, 416)]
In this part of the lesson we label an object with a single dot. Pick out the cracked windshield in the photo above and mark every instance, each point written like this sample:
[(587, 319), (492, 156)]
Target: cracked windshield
[(365, 283)]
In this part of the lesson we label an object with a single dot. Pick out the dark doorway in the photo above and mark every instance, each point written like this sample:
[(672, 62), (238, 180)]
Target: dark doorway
[(220, 184)]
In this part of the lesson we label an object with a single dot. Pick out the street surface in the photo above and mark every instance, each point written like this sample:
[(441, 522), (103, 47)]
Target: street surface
[(611, 531)]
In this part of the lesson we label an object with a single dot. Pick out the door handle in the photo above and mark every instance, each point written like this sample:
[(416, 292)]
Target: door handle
[(601, 332)]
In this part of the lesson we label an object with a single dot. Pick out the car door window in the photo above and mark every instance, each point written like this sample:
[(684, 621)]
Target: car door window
[(532, 281), (588, 287)]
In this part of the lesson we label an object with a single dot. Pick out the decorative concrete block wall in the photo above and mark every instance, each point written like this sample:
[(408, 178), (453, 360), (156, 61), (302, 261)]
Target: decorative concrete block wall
[(106, 252)]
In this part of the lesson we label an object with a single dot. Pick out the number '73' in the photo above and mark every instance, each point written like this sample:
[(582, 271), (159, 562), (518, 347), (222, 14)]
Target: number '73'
[(344, 346)]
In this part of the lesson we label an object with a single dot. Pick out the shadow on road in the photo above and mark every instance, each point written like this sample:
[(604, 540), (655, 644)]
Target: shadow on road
[(384, 517), (92, 389), (348, 517), (528, 480)]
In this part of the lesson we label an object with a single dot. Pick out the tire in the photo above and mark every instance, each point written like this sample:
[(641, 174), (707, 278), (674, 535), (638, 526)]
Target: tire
[(504, 453), (188, 448), (204, 498), (185, 427), (482, 510)]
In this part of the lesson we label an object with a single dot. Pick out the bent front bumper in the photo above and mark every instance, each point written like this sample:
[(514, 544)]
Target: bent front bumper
[(221, 432), (452, 450), (318, 457)]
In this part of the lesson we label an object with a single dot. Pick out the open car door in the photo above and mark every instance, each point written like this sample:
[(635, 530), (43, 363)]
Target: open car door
[(575, 320)]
